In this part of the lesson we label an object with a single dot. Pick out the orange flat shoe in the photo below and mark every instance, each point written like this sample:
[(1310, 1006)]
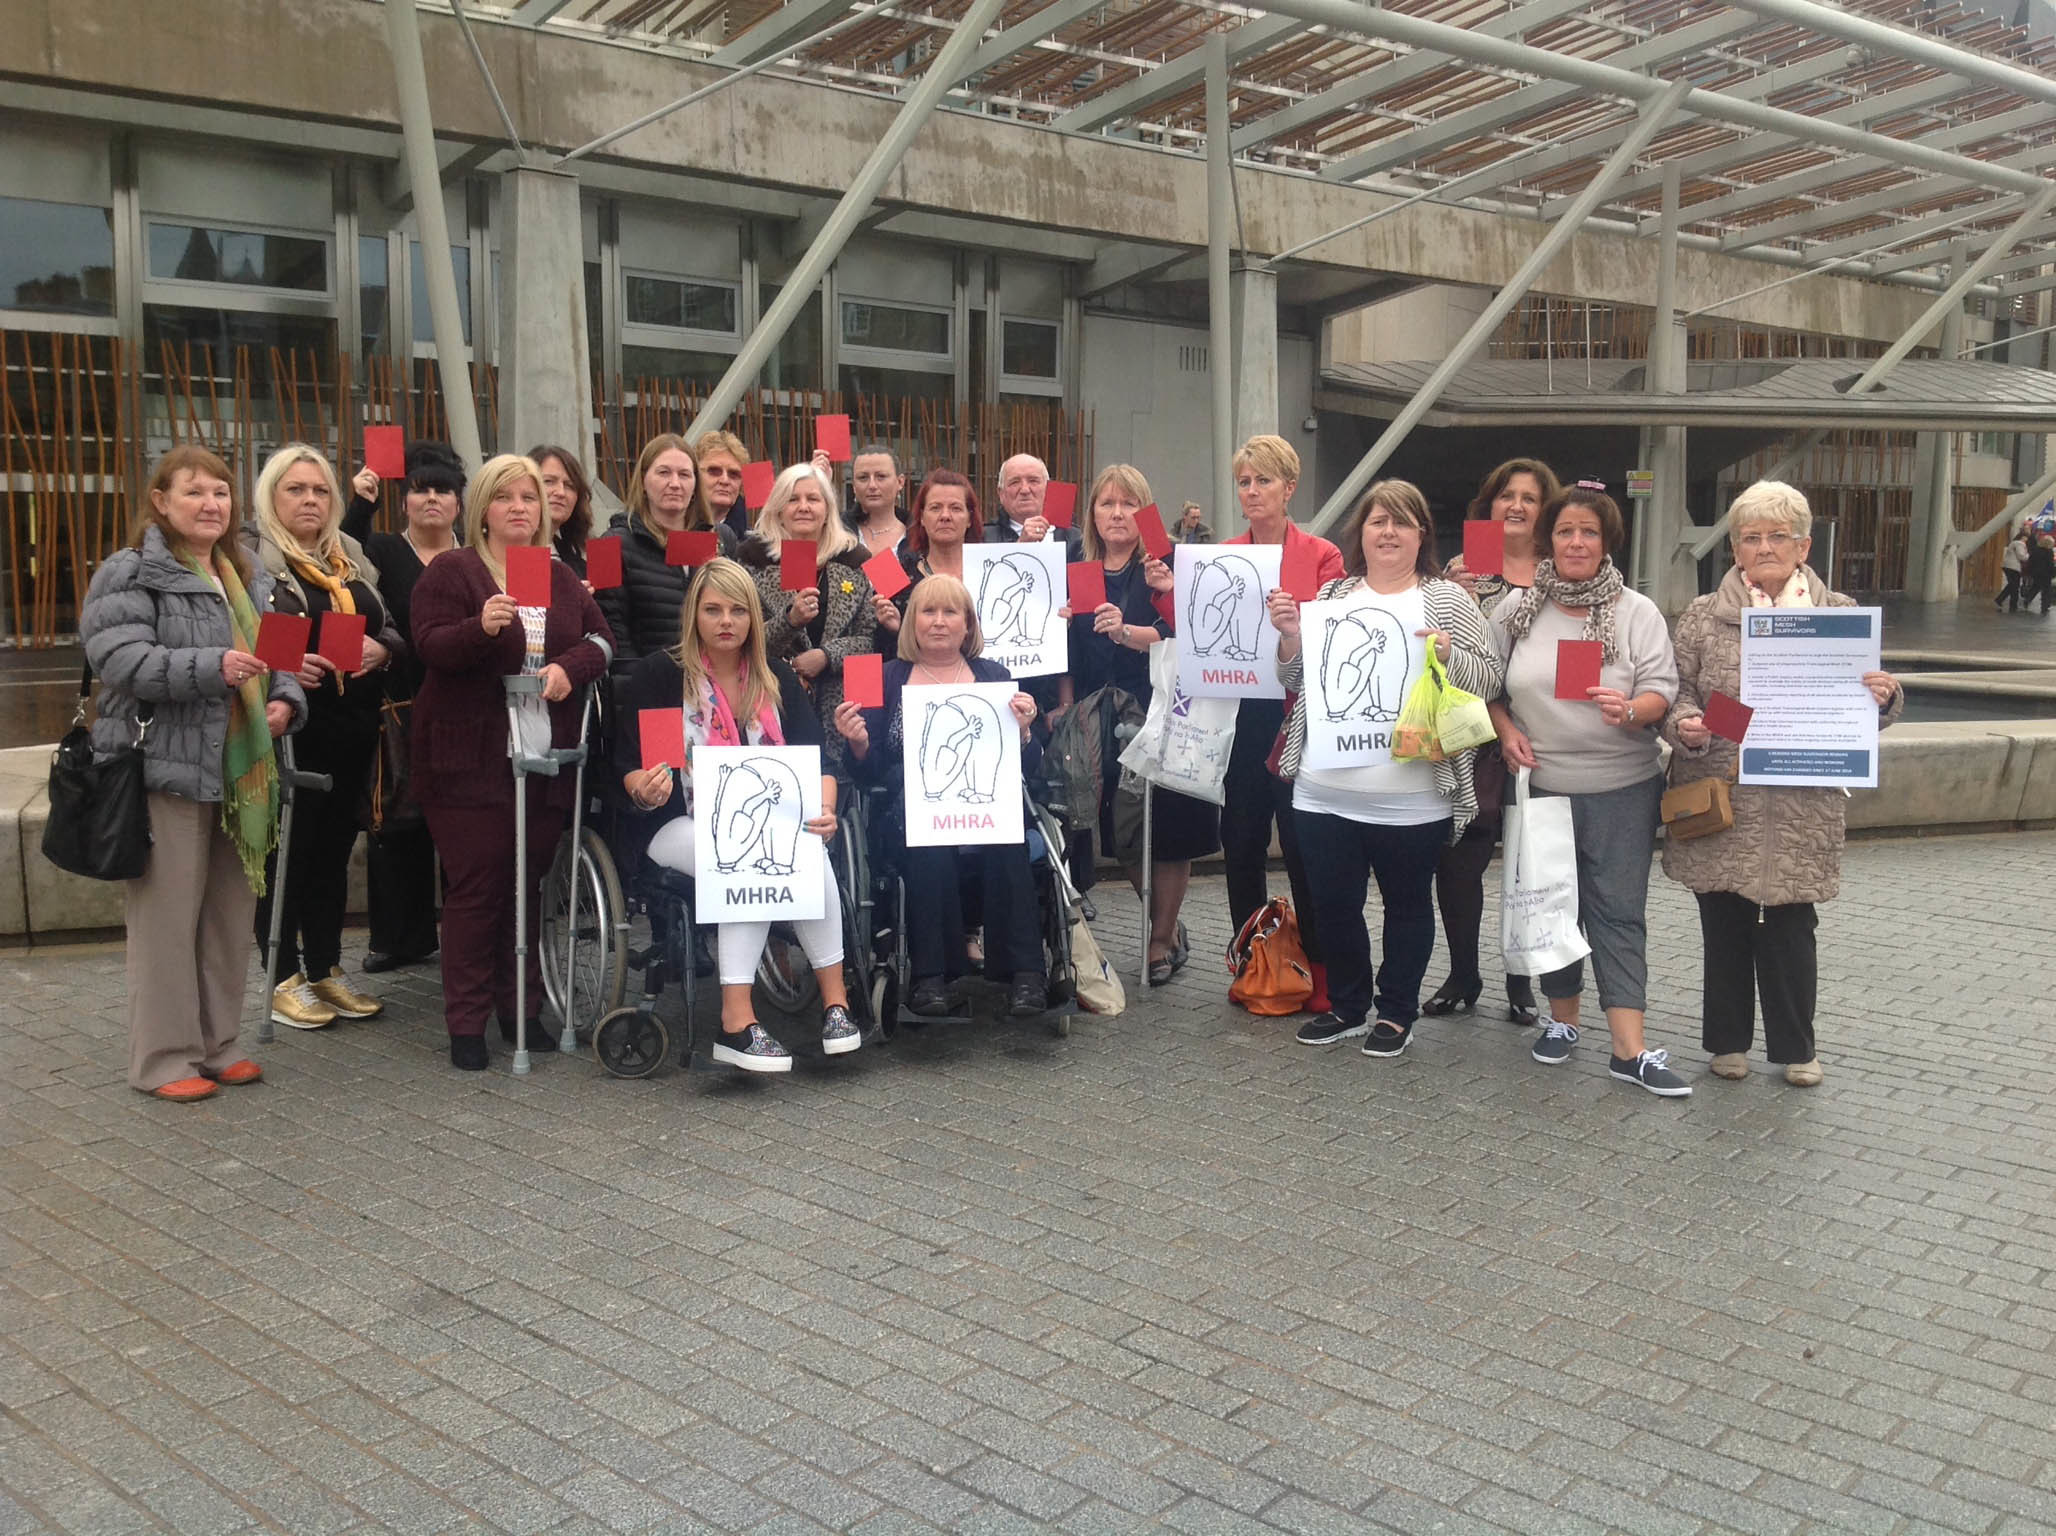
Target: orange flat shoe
[(236, 1073), (185, 1090)]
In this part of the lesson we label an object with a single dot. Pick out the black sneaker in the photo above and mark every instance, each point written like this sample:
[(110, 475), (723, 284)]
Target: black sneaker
[(1329, 1028), (929, 998), (1650, 1070), (1554, 1048), (1387, 1038), (1030, 996), (752, 1049), (839, 1032)]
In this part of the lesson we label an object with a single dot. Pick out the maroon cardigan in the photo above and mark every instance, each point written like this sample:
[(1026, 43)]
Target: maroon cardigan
[(459, 734)]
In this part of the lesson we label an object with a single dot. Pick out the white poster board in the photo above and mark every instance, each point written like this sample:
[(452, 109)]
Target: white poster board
[(1815, 723), (1361, 658), (1017, 590), (961, 764), (754, 860), (1227, 648)]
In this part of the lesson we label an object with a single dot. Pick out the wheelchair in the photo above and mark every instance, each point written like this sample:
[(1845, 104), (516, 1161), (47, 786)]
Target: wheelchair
[(583, 925)]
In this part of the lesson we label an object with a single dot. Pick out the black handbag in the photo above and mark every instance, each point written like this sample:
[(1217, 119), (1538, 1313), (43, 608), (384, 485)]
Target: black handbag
[(99, 824), (387, 804)]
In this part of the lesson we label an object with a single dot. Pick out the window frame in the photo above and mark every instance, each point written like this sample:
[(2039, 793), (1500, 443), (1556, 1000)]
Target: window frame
[(905, 361), (68, 321), (257, 298), (1031, 383), (646, 333)]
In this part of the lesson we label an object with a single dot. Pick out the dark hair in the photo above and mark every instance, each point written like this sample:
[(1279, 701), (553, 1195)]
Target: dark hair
[(1494, 483), (195, 459), (579, 525), (917, 531), (1403, 499), (869, 449), (434, 467), (1613, 528)]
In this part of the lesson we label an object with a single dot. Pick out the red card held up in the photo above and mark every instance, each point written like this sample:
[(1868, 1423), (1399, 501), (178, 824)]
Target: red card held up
[(1484, 548), (758, 476), (691, 546), (1726, 717), (1060, 503), (1299, 572), (863, 680), (342, 640), (1088, 583), (282, 640), (1154, 539), (798, 565), (888, 577), (528, 575), (603, 563), (663, 737), (832, 437), (1577, 668), (385, 452)]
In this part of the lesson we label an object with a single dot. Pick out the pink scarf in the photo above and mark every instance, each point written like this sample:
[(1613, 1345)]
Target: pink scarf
[(720, 720)]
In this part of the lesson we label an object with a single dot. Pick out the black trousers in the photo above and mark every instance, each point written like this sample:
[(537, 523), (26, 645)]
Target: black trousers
[(317, 870), (1751, 950), (1253, 798), (2010, 593), (399, 868), (1341, 857), (938, 882)]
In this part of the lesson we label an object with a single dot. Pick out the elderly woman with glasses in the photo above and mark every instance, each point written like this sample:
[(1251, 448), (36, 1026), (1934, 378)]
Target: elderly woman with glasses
[(1758, 880)]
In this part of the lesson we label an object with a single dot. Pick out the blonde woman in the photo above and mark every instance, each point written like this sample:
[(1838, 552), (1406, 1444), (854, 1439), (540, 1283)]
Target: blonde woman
[(470, 634), (666, 495), (815, 629), (733, 692)]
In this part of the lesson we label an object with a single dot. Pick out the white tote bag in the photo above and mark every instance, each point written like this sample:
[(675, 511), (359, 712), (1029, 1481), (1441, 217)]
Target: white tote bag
[(1185, 742), (1538, 905)]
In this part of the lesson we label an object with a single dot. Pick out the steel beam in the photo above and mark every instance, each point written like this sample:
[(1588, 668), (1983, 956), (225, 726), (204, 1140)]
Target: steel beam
[(2040, 284), (1656, 115), (533, 13), (485, 73), (1890, 199), (1220, 212), (1667, 580), (1927, 255), (942, 74), (1938, 577), (776, 35), (1912, 229), (1175, 75), (1024, 35), (1851, 27)]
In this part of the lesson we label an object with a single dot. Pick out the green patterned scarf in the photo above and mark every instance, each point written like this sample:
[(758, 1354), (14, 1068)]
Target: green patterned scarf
[(249, 772)]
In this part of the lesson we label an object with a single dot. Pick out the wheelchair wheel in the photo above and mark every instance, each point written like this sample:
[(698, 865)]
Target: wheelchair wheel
[(785, 977), (631, 1042), (599, 961), (885, 1001)]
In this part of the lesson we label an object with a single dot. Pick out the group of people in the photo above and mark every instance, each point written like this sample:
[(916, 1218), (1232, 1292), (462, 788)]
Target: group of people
[(2028, 564), (171, 627)]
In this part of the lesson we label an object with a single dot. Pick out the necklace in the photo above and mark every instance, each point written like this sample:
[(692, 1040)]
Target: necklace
[(424, 556), (955, 674)]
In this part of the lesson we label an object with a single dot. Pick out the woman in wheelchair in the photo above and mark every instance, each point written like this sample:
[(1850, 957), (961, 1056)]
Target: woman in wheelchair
[(939, 642), (733, 695)]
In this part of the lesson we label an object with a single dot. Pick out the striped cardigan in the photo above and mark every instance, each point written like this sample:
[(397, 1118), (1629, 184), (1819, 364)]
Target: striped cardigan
[(1474, 666)]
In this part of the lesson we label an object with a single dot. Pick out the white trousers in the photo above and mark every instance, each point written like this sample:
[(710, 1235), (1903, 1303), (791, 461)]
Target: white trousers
[(739, 946)]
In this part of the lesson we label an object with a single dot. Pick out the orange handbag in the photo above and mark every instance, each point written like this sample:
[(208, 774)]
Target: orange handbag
[(1272, 974)]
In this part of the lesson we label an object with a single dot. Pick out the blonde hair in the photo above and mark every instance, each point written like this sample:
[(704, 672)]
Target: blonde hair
[(1267, 454), (726, 444), (939, 591), (498, 474), (697, 514), (726, 579), (835, 534), (328, 549), (1124, 476), (1770, 501)]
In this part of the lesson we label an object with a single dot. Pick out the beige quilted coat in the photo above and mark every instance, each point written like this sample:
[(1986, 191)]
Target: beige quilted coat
[(1786, 844)]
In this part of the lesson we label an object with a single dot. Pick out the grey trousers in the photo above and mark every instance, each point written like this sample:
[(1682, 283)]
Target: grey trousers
[(1615, 833), (189, 943)]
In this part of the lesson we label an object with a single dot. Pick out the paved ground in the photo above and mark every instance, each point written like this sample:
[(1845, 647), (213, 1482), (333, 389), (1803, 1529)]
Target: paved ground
[(1175, 1271)]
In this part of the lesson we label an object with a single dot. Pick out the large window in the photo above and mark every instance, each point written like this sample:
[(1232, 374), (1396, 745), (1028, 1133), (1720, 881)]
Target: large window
[(424, 325), (1028, 350), (895, 328), (194, 253), (681, 304), (56, 257), (374, 296)]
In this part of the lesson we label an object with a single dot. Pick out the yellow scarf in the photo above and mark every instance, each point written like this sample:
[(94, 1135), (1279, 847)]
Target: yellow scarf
[(335, 581)]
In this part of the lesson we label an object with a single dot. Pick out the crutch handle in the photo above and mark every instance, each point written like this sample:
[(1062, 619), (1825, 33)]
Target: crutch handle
[(518, 683), (304, 780)]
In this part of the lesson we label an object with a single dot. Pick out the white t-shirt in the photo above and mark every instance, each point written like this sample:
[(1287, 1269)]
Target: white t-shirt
[(1374, 788)]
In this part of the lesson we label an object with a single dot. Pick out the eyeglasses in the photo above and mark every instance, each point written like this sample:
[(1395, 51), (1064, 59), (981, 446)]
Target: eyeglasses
[(1778, 540)]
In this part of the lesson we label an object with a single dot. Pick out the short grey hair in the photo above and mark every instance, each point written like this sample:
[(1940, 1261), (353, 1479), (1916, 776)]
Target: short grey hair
[(1773, 502)]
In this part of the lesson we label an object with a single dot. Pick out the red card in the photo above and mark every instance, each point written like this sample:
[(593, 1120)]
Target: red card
[(1154, 539), (1484, 548), (1299, 572), (282, 640), (528, 575), (1726, 717), (691, 546), (342, 640), (1088, 583), (603, 563), (1060, 503), (888, 577), (1577, 668), (385, 452), (832, 437), (758, 476), (663, 737), (798, 565), (863, 680)]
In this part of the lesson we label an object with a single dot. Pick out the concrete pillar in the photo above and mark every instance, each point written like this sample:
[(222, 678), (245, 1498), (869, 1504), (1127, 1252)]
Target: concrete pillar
[(1254, 287), (1931, 569), (545, 369), (1670, 574)]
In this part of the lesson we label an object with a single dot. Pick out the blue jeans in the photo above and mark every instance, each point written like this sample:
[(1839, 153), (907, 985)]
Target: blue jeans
[(1341, 856)]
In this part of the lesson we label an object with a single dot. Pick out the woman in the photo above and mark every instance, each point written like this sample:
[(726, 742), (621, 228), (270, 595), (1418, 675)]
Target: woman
[(312, 567), (1758, 881), (1600, 755), (2012, 566), (570, 499), (814, 629), (666, 496), (399, 857), (876, 486), (945, 515), (470, 635), (733, 693), (940, 644), (1513, 494), (170, 624), (1379, 816), (1266, 474), (1111, 645), (721, 456)]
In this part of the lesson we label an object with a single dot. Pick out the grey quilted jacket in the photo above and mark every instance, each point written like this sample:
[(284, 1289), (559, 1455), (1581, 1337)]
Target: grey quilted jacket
[(155, 632)]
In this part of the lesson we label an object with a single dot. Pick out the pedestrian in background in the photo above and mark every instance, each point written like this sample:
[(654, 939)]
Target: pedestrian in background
[(1192, 526)]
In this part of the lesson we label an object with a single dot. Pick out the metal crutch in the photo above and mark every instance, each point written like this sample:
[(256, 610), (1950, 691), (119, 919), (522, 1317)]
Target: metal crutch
[(290, 782), (549, 764), (567, 1039)]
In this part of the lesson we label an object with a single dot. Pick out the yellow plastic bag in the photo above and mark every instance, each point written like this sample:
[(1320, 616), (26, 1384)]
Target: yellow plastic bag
[(1461, 719), (1415, 738)]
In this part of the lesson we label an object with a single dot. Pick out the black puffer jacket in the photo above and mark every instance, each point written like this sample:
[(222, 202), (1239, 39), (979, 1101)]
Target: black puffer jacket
[(846, 626), (643, 611)]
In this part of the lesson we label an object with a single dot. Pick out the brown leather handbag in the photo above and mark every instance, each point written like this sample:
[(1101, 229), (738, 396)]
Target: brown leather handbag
[(1698, 808)]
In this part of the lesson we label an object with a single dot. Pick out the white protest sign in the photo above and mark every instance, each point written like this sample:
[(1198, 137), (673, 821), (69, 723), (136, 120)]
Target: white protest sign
[(754, 860), (1227, 648), (1361, 658), (1017, 590), (961, 764)]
